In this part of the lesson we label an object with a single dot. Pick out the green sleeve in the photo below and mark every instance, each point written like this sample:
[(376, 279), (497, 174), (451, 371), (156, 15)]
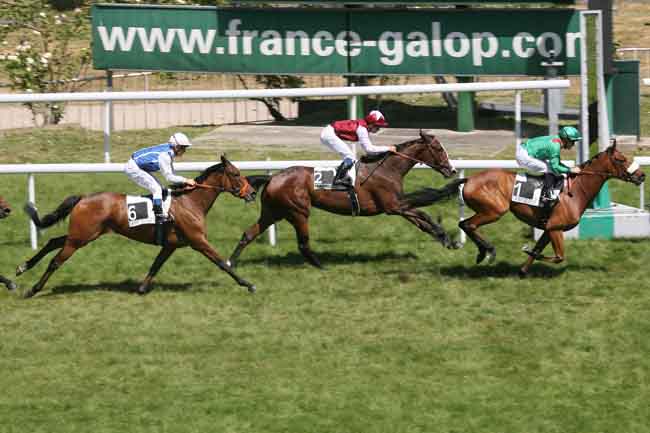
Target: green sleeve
[(557, 166)]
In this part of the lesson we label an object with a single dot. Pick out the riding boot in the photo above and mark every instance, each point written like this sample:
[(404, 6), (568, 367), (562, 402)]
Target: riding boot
[(340, 178), (547, 189), (160, 224)]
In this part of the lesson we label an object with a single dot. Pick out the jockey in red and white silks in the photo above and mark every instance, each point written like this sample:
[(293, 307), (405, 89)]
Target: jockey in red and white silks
[(333, 135)]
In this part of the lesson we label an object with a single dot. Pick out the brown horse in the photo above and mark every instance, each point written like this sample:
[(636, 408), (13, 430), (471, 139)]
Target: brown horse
[(290, 194), (489, 194), (5, 210), (97, 214)]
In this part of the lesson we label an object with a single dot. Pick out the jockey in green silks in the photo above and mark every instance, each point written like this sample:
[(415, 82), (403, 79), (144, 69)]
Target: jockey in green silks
[(542, 155)]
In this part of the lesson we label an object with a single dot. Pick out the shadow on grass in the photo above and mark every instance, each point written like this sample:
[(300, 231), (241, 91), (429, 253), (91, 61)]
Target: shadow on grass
[(296, 259), (501, 270), (128, 286)]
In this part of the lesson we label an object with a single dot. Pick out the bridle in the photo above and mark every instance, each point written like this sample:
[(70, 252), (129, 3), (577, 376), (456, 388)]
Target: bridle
[(629, 171)]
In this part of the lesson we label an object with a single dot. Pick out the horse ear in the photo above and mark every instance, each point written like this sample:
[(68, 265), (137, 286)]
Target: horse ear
[(224, 159), (422, 135)]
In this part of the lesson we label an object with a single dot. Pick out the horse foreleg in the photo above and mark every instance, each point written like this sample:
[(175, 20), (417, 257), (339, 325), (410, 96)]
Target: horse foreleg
[(8, 283), (423, 221), (536, 253), (160, 260), (58, 260), (251, 234), (470, 227), (206, 249)]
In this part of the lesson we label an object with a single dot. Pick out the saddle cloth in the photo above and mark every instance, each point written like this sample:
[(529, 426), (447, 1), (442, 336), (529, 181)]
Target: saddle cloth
[(324, 176), (528, 189), (139, 209)]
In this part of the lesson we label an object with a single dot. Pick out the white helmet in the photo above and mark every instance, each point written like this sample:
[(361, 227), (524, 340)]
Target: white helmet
[(180, 139)]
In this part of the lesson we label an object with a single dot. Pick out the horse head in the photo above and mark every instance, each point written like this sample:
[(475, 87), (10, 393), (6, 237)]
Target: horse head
[(614, 163), (5, 209), (226, 176), (430, 151)]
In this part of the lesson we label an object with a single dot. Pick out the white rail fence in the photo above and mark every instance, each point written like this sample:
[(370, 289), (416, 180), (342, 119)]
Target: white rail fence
[(109, 97), (461, 165)]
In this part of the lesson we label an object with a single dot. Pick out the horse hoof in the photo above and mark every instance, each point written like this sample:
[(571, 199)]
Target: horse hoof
[(28, 294), (21, 269), (522, 273), (252, 289), (143, 290), (11, 285), (454, 245), (491, 257), (480, 257)]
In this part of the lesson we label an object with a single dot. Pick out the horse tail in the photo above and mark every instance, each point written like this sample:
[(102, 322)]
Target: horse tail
[(50, 219), (427, 196), (258, 181)]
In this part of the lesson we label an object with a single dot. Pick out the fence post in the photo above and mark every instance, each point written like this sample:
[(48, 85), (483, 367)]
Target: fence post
[(108, 119), (272, 232), (517, 117), (461, 210), (31, 197), (642, 195)]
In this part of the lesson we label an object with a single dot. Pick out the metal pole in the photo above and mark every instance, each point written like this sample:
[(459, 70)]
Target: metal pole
[(352, 114), (272, 231), (583, 150), (31, 197), (642, 195), (108, 119), (518, 117), (461, 211)]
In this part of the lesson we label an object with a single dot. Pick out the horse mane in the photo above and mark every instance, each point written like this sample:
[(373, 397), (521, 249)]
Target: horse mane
[(378, 156), (208, 171), (177, 189), (592, 159)]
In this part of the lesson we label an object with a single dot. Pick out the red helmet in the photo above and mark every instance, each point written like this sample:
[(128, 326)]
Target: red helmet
[(376, 118)]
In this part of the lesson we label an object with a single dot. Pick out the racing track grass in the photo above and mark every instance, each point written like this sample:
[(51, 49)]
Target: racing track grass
[(395, 335)]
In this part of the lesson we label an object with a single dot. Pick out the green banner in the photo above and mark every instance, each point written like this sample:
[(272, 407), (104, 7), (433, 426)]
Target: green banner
[(334, 41)]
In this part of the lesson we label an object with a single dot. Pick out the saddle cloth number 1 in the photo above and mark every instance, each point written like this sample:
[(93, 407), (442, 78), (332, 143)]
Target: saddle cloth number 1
[(526, 192)]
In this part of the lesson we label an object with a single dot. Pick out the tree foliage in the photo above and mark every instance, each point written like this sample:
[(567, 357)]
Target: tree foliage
[(43, 50)]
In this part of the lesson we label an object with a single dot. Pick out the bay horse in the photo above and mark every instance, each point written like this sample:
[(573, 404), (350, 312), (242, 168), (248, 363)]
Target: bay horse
[(290, 194), (97, 214), (5, 210), (489, 194)]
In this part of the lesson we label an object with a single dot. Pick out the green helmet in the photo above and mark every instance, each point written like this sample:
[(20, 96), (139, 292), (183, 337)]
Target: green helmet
[(570, 134)]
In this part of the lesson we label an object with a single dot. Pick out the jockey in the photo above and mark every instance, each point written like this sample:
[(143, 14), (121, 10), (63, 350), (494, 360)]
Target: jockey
[(333, 135), (158, 158), (542, 155)]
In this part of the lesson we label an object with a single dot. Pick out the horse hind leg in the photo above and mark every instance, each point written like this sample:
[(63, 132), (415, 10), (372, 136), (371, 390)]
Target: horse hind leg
[(58, 260), (470, 227), (52, 244), (301, 225)]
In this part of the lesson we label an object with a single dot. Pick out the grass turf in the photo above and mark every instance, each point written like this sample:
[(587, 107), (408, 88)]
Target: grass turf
[(397, 334)]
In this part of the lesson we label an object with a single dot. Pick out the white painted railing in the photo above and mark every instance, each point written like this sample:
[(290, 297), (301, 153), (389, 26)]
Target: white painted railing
[(109, 97), (461, 165)]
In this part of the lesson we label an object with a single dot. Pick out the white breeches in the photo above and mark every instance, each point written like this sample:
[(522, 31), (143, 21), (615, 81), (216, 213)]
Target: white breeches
[(329, 138), (526, 161), (144, 179)]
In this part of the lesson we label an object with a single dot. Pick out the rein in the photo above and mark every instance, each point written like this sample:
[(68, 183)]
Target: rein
[(405, 156)]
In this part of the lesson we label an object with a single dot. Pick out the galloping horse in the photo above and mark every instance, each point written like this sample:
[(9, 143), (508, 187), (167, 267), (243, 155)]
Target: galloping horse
[(97, 214), (290, 194), (489, 194), (5, 210)]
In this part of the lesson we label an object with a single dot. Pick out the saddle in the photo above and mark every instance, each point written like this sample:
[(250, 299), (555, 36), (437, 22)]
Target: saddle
[(139, 208), (324, 178), (528, 188)]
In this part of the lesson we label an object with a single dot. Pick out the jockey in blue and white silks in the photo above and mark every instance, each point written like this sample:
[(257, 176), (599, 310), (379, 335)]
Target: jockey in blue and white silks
[(158, 158)]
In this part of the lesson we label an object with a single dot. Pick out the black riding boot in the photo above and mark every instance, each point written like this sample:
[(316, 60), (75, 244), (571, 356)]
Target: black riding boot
[(340, 178), (547, 190), (160, 225)]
